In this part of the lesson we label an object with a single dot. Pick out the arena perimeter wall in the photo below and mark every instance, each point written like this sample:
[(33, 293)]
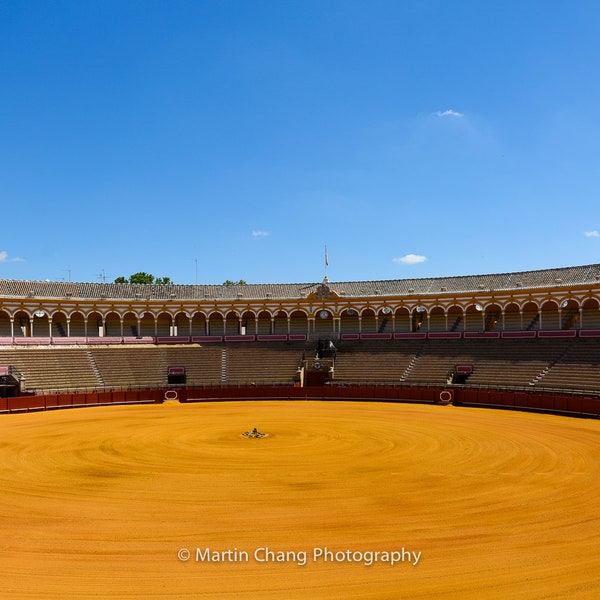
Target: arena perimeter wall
[(563, 404)]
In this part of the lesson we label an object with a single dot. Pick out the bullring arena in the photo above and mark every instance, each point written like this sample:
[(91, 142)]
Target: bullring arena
[(426, 438)]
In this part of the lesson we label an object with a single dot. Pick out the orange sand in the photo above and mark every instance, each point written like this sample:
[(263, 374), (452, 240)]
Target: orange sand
[(97, 503)]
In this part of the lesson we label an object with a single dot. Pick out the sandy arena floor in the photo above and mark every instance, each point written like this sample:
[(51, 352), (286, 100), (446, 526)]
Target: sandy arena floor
[(141, 501)]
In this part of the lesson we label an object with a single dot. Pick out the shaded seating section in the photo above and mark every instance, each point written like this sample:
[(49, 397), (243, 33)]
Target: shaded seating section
[(148, 366), (435, 361), (577, 369), (52, 368), (553, 363), (514, 363), (267, 365), (374, 361), (202, 364), (500, 362), (556, 363), (123, 366)]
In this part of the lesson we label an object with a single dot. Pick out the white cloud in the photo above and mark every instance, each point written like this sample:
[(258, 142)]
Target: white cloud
[(448, 113), (259, 234), (5, 259), (410, 259), (593, 233)]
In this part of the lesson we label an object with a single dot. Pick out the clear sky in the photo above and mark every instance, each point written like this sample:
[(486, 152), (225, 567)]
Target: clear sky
[(229, 139)]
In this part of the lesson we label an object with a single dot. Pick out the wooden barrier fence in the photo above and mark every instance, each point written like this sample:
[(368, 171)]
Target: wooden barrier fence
[(564, 404)]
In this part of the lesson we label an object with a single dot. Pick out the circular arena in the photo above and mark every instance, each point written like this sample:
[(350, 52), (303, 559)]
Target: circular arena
[(377, 462), (170, 501)]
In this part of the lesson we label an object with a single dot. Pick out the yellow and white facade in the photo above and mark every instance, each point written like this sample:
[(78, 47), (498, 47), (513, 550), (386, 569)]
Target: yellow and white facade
[(551, 300)]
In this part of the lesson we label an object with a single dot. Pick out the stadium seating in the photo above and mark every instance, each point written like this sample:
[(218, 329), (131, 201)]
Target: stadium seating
[(512, 333), (547, 363)]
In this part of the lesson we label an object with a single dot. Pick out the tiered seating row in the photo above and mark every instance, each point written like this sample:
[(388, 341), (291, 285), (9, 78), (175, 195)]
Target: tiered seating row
[(270, 364), (556, 363), (578, 369), (375, 362), (50, 369)]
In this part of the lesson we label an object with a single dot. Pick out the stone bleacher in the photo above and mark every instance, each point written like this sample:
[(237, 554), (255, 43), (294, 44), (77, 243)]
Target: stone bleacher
[(264, 365), (570, 363), (48, 369), (374, 361), (559, 363)]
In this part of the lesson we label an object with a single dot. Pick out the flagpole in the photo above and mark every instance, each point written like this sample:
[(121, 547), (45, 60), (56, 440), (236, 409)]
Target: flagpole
[(326, 264)]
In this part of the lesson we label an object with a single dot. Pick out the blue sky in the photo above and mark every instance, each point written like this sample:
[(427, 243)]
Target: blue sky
[(223, 139)]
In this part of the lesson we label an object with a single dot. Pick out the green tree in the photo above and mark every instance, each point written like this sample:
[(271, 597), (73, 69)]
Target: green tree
[(144, 278), (141, 277), (229, 282)]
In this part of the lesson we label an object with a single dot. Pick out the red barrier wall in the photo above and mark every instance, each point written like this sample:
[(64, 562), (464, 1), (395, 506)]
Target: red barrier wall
[(590, 405), (559, 403), (53, 401)]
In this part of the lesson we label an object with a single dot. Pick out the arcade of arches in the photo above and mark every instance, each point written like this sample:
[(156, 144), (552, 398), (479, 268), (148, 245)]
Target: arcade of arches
[(323, 321)]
